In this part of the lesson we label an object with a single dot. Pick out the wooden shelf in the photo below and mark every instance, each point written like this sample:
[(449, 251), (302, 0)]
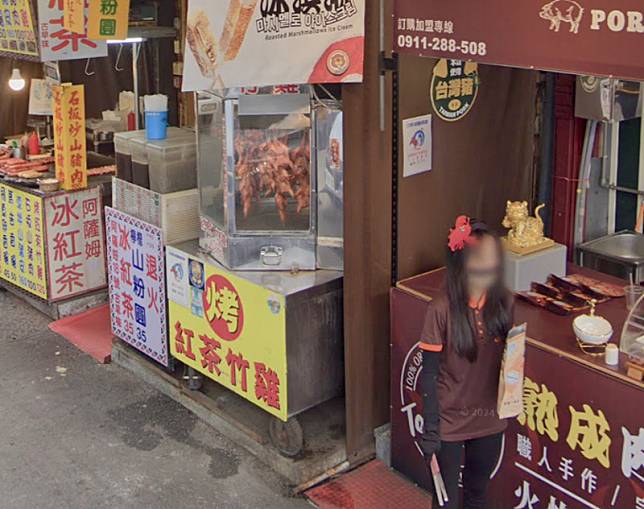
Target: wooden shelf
[(152, 32)]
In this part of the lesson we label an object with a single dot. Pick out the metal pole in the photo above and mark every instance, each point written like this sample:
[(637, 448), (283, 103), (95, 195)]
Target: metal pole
[(584, 178), (136, 47)]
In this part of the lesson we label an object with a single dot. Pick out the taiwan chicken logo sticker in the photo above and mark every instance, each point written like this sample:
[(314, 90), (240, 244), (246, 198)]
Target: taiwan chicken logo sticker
[(223, 308), (454, 88)]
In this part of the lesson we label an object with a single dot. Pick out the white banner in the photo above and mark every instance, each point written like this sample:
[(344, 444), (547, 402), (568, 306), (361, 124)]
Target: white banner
[(238, 43), (417, 145), (40, 97), (58, 43), (75, 250), (177, 278), (136, 268)]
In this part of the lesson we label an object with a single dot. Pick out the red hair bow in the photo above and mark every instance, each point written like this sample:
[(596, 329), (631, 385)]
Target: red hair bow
[(461, 234)]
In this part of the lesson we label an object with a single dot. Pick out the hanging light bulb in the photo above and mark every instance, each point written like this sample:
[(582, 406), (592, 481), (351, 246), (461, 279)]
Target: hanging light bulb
[(16, 82)]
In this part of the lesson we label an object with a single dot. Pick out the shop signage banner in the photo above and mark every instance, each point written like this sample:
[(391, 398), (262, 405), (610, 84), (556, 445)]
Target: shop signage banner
[(108, 19), (575, 445), (417, 148), (40, 97), (237, 43), (59, 43), (74, 16), (601, 37), (137, 284), (75, 248), (228, 329), (17, 34), (23, 240), (69, 136)]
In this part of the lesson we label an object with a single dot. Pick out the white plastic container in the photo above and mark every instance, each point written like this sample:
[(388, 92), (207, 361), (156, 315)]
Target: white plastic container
[(123, 153), (139, 155), (177, 214), (172, 163)]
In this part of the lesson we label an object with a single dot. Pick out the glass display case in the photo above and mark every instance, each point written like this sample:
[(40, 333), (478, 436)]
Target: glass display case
[(257, 180), (327, 119), (632, 340)]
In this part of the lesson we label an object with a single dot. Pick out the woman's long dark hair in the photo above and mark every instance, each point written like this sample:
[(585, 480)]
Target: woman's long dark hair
[(497, 312)]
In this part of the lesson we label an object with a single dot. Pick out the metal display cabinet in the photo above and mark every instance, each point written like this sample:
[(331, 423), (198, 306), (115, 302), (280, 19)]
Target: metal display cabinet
[(257, 180), (283, 323)]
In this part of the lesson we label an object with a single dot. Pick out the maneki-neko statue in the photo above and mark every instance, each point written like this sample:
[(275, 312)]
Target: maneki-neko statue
[(525, 233)]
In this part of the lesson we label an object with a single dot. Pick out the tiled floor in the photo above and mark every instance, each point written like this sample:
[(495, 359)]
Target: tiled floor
[(372, 486)]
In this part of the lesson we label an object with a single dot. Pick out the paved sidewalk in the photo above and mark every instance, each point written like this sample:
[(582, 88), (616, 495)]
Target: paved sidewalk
[(79, 435)]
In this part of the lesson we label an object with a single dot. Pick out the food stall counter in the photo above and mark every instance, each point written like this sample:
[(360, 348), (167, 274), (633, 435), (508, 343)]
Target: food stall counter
[(578, 441), (52, 242), (286, 326), (547, 330)]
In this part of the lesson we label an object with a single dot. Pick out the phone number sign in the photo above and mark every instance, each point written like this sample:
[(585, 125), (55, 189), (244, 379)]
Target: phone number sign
[(598, 37)]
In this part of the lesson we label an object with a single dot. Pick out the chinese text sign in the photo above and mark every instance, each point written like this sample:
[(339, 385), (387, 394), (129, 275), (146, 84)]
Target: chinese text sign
[(74, 16), (228, 329), (136, 268), (23, 240), (75, 245), (598, 37), (17, 34), (574, 445), (69, 136), (108, 19), (233, 43), (59, 43)]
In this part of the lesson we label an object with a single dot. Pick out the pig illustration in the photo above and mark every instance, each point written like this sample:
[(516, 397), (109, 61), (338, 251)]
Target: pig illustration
[(558, 11)]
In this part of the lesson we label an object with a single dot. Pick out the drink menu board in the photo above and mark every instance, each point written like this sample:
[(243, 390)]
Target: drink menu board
[(17, 34), (22, 252)]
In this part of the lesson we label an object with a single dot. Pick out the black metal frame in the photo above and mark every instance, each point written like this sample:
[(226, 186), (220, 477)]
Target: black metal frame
[(391, 65)]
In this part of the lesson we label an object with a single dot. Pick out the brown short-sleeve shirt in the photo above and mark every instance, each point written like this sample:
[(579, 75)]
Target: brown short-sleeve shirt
[(467, 391)]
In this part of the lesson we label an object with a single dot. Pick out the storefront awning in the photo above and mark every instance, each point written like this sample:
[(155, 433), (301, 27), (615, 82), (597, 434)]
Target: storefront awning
[(597, 37)]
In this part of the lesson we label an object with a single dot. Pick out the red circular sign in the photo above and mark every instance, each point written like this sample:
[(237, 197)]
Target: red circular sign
[(223, 308)]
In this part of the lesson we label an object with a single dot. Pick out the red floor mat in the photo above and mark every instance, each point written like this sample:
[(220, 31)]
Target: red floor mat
[(90, 331), (372, 486)]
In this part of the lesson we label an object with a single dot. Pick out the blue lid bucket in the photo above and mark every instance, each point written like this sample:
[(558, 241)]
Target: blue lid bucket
[(156, 125)]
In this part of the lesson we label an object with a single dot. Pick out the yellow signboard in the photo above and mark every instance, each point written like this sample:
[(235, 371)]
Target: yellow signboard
[(228, 329), (23, 245), (74, 16), (17, 33), (108, 19), (69, 136)]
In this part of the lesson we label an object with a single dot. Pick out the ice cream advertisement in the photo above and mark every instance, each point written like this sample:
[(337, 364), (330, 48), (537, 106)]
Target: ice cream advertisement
[(238, 43)]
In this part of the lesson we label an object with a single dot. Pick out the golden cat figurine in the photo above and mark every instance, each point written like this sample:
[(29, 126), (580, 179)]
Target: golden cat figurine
[(526, 232)]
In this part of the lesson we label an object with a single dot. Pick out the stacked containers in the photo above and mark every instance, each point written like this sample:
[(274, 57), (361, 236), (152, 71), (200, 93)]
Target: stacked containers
[(140, 167), (172, 163), (124, 153)]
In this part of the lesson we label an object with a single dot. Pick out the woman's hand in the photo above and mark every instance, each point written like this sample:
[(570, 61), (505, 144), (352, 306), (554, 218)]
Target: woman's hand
[(430, 444)]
